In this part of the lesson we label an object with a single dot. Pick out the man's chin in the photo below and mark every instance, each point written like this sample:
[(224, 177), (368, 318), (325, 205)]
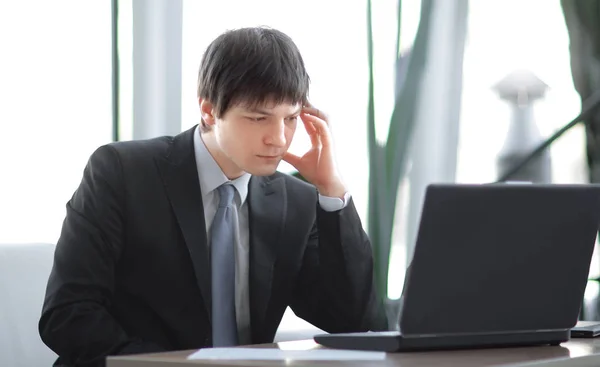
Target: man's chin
[(263, 171)]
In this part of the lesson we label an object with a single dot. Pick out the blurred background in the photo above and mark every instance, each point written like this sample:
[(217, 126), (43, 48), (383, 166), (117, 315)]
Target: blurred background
[(447, 90)]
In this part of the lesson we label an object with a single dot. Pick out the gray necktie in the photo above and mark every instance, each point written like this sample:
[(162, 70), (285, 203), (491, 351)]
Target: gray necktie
[(224, 324)]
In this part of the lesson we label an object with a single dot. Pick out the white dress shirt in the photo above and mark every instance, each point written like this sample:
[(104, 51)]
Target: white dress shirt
[(211, 176)]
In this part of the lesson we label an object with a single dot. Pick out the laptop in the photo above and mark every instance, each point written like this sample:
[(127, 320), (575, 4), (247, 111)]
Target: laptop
[(494, 265)]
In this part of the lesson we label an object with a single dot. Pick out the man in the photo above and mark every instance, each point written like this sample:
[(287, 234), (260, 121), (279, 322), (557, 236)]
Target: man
[(196, 240)]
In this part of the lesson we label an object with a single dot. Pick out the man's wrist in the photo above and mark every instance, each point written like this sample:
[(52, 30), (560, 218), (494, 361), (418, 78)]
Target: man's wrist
[(337, 190)]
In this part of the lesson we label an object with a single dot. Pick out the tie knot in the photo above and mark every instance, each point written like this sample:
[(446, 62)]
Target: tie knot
[(226, 192)]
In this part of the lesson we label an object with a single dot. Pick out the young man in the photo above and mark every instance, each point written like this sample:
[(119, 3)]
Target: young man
[(196, 240)]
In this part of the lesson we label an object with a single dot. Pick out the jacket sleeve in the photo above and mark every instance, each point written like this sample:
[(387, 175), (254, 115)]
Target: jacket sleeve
[(335, 290), (75, 322)]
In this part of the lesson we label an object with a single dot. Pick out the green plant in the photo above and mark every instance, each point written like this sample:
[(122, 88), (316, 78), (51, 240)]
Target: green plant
[(388, 160), (582, 18)]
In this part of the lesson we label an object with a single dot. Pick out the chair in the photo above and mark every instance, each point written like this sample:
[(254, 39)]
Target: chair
[(24, 271)]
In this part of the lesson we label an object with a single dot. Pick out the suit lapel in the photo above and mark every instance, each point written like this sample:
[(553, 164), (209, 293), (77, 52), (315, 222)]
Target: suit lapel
[(180, 177), (267, 207)]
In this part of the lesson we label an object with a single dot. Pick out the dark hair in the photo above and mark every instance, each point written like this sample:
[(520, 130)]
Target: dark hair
[(252, 66)]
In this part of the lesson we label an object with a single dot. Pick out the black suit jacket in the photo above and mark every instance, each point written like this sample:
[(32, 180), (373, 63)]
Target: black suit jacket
[(131, 270)]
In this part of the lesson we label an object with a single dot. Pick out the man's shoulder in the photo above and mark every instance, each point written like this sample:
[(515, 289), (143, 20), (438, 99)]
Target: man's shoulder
[(129, 158), (143, 147), (147, 150)]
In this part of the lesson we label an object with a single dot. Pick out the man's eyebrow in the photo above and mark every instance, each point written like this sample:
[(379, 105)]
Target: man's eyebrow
[(267, 113), (259, 110)]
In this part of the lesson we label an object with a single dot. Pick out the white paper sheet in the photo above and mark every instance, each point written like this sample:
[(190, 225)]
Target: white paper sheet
[(268, 354)]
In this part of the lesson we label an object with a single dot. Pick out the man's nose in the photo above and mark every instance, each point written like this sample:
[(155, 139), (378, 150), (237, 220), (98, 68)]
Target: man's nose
[(276, 134)]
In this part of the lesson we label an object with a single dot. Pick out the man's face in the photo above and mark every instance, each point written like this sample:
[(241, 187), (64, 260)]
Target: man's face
[(255, 139)]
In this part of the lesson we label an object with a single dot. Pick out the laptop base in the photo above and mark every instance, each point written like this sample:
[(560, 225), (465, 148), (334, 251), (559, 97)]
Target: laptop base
[(393, 341)]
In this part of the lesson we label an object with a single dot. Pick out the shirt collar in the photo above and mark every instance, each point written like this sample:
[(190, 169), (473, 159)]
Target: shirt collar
[(210, 174)]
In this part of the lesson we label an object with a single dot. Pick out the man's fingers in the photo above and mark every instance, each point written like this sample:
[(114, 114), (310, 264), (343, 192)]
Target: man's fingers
[(317, 113), (322, 130), (312, 131)]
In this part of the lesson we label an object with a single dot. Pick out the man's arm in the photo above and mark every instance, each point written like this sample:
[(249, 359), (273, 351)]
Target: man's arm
[(75, 321), (335, 289)]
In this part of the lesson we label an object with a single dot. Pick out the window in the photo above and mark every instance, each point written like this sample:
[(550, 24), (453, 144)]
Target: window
[(536, 40), (56, 108)]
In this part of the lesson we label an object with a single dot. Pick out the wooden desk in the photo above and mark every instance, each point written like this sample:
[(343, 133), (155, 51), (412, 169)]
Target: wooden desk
[(577, 352)]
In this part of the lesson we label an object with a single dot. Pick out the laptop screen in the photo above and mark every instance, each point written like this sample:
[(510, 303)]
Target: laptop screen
[(495, 258)]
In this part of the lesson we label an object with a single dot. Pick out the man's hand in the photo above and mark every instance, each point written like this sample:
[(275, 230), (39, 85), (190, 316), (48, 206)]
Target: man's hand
[(318, 165)]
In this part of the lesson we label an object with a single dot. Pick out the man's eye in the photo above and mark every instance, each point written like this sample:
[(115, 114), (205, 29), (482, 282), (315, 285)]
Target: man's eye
[(257, 118), (292, 119)]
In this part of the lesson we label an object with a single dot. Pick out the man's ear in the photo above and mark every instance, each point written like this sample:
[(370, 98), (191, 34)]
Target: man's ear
[(207, 111)]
